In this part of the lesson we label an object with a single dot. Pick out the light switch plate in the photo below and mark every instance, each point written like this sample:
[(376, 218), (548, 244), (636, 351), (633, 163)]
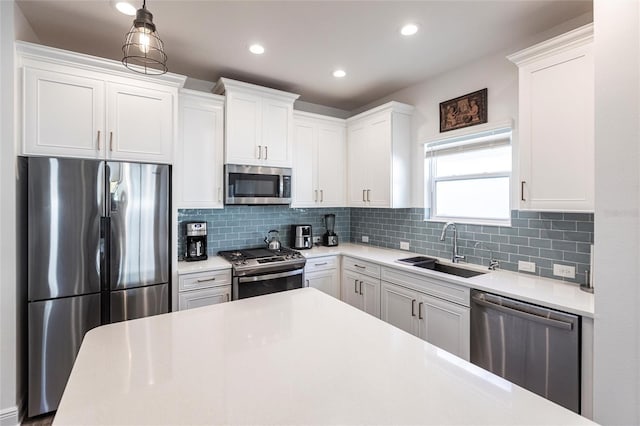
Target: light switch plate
[(564, 271), (526, 266), (365, 239), (404, 245), (317, 240)]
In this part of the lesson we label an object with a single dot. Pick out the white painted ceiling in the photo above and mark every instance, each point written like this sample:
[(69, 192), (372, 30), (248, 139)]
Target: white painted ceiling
[(306, 40)]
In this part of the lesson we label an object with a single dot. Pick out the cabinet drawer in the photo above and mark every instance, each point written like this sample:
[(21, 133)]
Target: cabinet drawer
[(434, 287), (362, 266), (205, 279), (321, 264), (204, 297)]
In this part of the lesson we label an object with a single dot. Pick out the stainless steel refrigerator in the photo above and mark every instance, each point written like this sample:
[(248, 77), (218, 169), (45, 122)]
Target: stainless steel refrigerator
[(97, 252)]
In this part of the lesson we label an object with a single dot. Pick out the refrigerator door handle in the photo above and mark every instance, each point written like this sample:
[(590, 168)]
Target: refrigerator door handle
[(105, 251)]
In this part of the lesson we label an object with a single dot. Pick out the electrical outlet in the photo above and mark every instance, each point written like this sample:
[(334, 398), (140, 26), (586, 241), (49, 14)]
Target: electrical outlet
[(365, 239), (564, 271), (526, 266), (404, 245), (317, 240)]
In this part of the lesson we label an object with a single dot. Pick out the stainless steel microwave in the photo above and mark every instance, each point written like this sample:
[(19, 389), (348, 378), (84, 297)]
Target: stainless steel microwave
[(257, 185)]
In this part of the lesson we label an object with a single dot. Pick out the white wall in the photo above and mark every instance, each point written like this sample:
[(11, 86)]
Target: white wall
[(617, 215), (10, 388)]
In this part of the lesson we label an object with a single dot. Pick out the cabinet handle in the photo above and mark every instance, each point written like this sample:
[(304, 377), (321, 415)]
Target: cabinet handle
[(361, 267), (307, 283), (413, 307), (364, 195), (205, 280), (522, 190), (316, 198), (98, 140), (368, 195), (321, 195), (355, 286), (360, 288), (110, 141), (420, 310), (266, 152), (259, 152), (227, 297), (320, 264)]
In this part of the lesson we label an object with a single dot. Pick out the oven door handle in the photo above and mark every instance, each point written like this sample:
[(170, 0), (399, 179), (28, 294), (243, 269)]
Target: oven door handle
[(270, 276)]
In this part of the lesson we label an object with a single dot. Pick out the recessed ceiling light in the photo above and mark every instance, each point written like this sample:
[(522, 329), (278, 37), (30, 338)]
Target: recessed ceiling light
[(126, 8), (256, 49), (339, 73), (409, 29)]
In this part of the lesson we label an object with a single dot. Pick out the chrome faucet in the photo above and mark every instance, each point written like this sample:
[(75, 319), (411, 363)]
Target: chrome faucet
[(455, 257)]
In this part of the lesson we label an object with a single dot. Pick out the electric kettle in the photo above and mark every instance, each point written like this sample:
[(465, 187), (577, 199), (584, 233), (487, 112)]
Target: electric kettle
[(272, 240)]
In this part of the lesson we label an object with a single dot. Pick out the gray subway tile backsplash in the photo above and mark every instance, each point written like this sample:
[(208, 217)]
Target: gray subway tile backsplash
[(544, 238)]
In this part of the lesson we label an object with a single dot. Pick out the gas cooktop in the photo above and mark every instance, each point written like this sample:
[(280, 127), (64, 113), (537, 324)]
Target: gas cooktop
[(259, 260)]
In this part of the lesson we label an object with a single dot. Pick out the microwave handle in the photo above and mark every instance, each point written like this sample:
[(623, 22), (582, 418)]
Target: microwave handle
[(281, 185)]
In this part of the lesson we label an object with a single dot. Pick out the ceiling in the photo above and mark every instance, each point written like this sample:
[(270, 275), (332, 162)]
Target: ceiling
[(306, 40)]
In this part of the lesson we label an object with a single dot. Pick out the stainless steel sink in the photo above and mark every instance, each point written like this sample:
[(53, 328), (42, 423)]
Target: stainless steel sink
[(448, 269), (425, 262)]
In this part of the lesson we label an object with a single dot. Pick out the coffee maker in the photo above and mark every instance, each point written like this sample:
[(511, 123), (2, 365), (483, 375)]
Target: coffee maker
[(196, 234), (330, 238)]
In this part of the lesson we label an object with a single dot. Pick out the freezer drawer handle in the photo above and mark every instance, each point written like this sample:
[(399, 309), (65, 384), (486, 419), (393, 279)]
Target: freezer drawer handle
[(523, 314)]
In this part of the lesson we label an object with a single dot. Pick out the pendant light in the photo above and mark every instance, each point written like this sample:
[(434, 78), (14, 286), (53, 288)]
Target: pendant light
[(143, 50)]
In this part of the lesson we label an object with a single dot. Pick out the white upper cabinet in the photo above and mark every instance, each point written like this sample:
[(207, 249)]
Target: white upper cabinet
[(198, 158), (556, 121), (319, 161), (379, 162), (258, 123), (76, 105)]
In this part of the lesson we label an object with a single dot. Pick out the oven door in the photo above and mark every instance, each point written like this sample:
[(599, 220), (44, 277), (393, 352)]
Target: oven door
[(257, 285)]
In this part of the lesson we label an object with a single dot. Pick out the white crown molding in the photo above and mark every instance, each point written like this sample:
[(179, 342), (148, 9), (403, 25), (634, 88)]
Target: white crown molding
[(574, 38), (392, 106), (91, 63), (225, 84), (313, 116), (202, 95)]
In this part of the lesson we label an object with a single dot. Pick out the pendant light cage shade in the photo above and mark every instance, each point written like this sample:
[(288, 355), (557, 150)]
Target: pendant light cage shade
[(143, 50)]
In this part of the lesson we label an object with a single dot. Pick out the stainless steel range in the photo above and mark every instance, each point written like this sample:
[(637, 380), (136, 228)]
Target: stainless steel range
[(258, 271)]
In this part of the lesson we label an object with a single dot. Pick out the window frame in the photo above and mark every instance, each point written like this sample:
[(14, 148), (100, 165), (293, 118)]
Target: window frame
[(467, 142)]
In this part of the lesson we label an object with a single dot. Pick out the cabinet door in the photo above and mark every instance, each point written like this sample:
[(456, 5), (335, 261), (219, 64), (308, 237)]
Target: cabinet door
[(444, 324), (63, 115), (243, 129), (331, 165), (198, 298), (140, 123), (400, 307), (358, 162), (304, 165), (370, 289), (378, 148), (326, 281), (557, 132), (276, 132), (351, 289), (199, 169)]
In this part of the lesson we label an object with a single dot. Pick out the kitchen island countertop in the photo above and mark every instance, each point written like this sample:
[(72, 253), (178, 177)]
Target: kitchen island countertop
[(295, 357)]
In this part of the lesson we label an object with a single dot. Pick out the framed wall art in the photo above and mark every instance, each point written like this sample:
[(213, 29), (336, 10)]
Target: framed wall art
[(466, 110)]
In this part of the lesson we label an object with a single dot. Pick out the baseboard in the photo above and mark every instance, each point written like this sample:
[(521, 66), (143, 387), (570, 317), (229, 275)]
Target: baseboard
[(10, 416)]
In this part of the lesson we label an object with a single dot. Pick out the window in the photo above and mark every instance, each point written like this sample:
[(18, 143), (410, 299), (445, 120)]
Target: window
[(467, 179)]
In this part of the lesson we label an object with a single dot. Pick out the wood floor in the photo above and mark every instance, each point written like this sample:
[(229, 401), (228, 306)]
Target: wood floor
[(44, 420)]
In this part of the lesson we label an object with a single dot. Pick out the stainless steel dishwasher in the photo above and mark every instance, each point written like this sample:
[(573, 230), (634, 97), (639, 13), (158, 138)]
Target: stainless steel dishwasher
[(534, 347)]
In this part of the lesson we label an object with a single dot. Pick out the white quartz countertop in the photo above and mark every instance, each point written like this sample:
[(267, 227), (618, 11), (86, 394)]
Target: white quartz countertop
[(295, 357), (529, 288), (546, 292)]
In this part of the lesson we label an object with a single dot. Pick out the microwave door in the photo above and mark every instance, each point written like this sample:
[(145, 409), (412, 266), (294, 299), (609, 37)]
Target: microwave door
[(257, 185)]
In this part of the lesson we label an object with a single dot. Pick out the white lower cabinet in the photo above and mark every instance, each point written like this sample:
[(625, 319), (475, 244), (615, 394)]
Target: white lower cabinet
[(322, 273), (204, 288), (361, 291), (438, 321)]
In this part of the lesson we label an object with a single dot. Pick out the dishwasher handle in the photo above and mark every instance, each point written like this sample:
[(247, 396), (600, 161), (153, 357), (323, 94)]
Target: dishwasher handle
[(520, 312)]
